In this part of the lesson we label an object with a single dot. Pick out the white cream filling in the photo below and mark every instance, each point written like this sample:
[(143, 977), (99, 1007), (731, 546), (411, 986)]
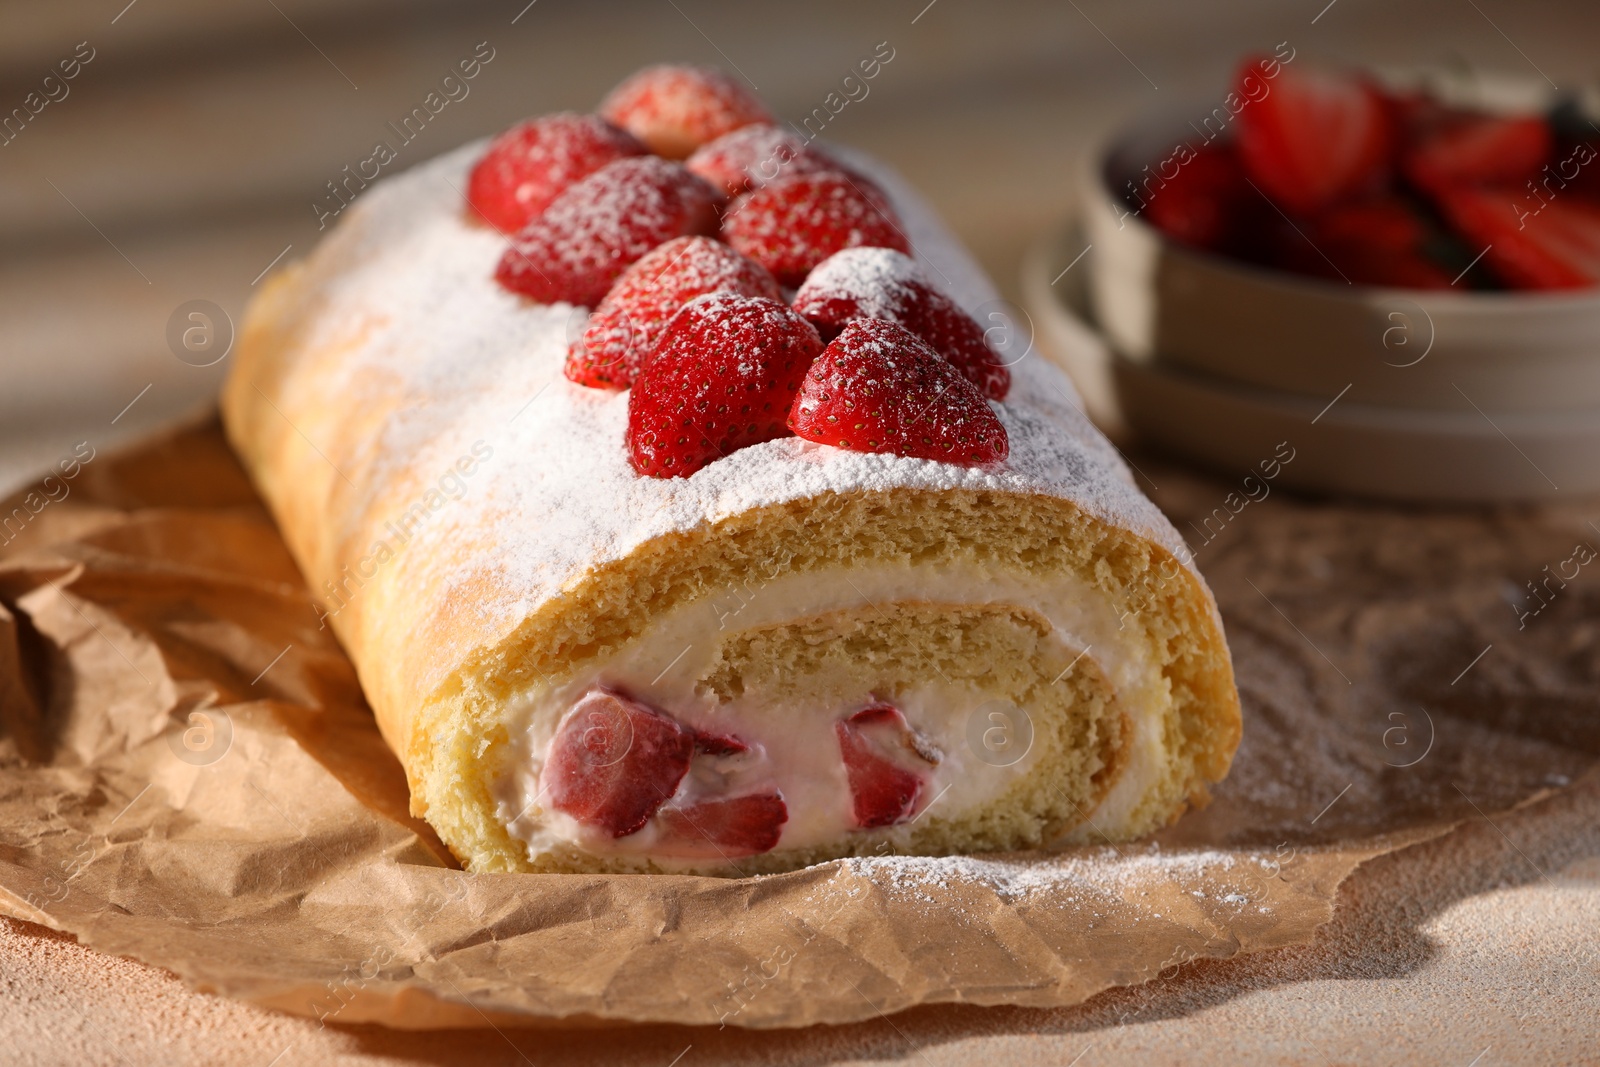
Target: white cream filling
[(795, 751)]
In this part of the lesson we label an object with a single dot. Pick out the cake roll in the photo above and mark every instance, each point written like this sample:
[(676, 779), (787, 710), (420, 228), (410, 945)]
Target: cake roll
[(797, 652)]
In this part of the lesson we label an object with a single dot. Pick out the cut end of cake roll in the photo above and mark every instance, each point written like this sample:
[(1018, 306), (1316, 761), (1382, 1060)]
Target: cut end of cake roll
[(884, 673)]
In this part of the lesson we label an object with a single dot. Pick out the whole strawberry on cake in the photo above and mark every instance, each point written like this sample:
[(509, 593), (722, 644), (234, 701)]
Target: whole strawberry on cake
[(656, 471)]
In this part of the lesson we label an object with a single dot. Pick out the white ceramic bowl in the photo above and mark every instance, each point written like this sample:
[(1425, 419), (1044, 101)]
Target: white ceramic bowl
[(1154, 298), (1351, 447)]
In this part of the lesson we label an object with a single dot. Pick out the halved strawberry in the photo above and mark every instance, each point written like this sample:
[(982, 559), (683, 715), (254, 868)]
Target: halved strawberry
[(600, 225), (878, 388), (532, 163), (1557, 247), (613, 762), (1468, 149), (1316, 137), (1202, 203), (792, 224), (723, 829), (1380, 240), (623, 330), (675, 110), (723, 376), (750, 157), (874, 744), (881, 283)]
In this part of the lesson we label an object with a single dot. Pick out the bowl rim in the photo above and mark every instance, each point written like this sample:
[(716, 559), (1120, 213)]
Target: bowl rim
[(1156, 119), (1070, 338)]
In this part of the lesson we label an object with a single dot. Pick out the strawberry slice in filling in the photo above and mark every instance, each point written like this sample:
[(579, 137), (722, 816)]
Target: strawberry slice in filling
[(881, 756), (725, 828), (615, 761)]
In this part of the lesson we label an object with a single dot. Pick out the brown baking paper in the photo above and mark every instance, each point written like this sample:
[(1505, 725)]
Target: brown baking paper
[(190, 777)]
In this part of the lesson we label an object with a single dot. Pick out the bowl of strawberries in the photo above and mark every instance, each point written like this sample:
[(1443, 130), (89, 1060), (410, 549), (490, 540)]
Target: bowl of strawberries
[(1423, 240)]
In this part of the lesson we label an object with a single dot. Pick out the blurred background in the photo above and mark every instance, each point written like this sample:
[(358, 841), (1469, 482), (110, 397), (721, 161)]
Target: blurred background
[(184, 158)]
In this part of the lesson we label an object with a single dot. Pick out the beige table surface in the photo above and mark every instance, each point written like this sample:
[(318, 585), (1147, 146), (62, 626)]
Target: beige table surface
[(186, 158)]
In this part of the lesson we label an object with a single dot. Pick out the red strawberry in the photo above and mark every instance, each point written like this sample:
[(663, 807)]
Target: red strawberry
[(614, 761), (1554, 247), (1201, 205), (1315, 138), (750, 157), (530, 164), (597, 227), (1377, 241), (880, 283), (792, 224), (1413, 113), (877, 388), (1479, 150), (675, 110), (723, 375), (622, 331), (874, 744), (718, 744), (1576, 154), (725, 829)]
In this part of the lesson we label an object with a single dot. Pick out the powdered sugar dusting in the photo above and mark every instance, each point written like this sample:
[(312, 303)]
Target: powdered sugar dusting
[(877, 281), (1103, 868), (404, 290)]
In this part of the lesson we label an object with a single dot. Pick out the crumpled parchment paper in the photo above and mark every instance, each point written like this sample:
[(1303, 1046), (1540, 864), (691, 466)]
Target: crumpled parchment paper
[(189, 776)]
